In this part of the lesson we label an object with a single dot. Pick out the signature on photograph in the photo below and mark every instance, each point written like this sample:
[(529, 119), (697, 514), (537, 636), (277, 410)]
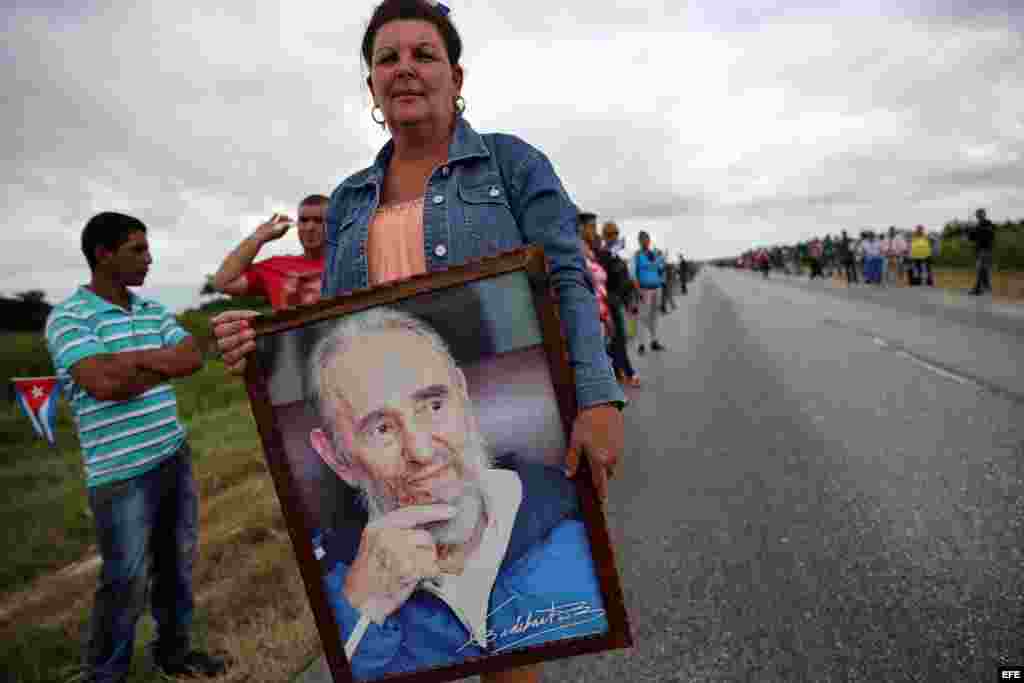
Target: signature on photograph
[(536, 623)]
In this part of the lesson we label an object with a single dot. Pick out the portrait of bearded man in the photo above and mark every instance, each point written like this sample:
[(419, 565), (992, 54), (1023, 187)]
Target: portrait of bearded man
[(446, 554)]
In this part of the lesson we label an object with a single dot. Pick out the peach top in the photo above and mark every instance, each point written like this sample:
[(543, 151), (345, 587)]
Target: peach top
[(395, 244)]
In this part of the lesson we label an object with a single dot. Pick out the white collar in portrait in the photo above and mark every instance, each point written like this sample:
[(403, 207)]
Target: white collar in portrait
[(468, 594)]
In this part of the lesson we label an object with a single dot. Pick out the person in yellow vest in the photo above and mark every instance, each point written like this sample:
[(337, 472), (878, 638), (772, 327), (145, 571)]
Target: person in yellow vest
[(920, 254)]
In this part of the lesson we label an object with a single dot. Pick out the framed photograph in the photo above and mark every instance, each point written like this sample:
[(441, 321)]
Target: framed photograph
[(416, 434)]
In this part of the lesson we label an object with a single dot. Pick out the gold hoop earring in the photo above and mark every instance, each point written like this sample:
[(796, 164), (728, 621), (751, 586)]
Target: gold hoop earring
[(460, 103), (376, 108)]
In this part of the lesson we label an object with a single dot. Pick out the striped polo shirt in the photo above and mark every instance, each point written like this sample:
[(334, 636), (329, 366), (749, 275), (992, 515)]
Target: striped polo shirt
[(119, 439)]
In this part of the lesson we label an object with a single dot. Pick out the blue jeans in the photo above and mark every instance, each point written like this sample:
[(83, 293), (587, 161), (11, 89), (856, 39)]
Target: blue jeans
[(146, 532), (923, 271), (875, 264), (984, 267), (620, 355)]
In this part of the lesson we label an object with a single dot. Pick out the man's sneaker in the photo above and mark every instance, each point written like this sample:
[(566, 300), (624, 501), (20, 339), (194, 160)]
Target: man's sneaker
[(657, 347), (640, 350), (191, 664)]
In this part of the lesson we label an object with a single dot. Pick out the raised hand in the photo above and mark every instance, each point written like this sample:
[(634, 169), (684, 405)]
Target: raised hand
[(273, 229)]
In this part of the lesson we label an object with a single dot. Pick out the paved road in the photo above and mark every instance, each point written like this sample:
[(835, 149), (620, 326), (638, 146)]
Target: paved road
[(821, 485)]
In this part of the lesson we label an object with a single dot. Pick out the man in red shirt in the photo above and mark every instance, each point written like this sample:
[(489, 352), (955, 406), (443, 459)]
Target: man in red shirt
[(285, 280)]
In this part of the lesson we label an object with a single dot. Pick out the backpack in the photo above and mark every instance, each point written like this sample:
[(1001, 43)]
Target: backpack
[(619, 281)]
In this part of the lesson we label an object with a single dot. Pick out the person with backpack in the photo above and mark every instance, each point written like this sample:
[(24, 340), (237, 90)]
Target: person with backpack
[(649, 269), (619, 288)]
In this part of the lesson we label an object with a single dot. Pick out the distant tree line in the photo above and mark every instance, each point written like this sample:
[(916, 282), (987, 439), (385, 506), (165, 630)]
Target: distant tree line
[(26, 312), (958, 252)]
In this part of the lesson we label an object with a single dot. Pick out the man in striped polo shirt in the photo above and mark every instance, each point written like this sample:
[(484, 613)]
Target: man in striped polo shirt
[(114, 353)]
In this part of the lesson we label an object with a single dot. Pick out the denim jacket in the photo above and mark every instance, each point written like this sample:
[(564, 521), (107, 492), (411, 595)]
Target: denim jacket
[(494, 194)]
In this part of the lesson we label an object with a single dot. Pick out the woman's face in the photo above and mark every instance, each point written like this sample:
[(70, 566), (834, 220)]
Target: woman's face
[(411, 78), (611, 233), (589, 235)]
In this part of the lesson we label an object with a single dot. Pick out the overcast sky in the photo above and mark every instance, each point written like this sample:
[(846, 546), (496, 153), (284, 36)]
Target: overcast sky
[(714, 127)]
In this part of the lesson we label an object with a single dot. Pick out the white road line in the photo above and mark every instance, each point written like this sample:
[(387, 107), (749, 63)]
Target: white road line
[(832, 319), (937, 370)]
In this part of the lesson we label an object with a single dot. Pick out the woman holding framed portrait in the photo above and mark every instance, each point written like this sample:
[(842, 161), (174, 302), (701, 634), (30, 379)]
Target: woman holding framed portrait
[(439, 195)]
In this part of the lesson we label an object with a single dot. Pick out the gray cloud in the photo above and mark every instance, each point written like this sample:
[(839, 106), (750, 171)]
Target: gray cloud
[(712, 127), (1005, 175)]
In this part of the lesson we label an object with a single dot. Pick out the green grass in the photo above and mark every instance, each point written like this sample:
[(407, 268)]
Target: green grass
[(23, 354), (44, 512), (244, 552), (1008, 254), (958, 252), (40, 654), (50, 654), (45, 515), (46, 522)]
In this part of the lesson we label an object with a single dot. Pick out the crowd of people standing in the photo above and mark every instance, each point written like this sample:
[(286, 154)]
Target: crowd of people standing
[(632, 292), (883, 258)]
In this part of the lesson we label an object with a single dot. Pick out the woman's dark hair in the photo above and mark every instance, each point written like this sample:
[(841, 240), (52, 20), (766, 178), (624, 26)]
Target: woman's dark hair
[(108, 230), (314, 200), (391, 10)]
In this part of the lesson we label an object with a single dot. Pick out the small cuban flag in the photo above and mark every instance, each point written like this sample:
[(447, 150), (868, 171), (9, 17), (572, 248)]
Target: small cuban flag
[(37, 396)]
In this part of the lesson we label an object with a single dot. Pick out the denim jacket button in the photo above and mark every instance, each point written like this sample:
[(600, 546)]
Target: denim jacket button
[(440, 250), (438, 198), (494, 191)]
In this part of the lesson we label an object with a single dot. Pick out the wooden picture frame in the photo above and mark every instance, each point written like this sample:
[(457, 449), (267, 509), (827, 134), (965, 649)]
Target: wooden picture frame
[(519, 389)]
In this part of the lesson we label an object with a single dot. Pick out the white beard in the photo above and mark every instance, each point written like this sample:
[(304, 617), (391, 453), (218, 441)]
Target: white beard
[(472, 506), (459, 529)]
